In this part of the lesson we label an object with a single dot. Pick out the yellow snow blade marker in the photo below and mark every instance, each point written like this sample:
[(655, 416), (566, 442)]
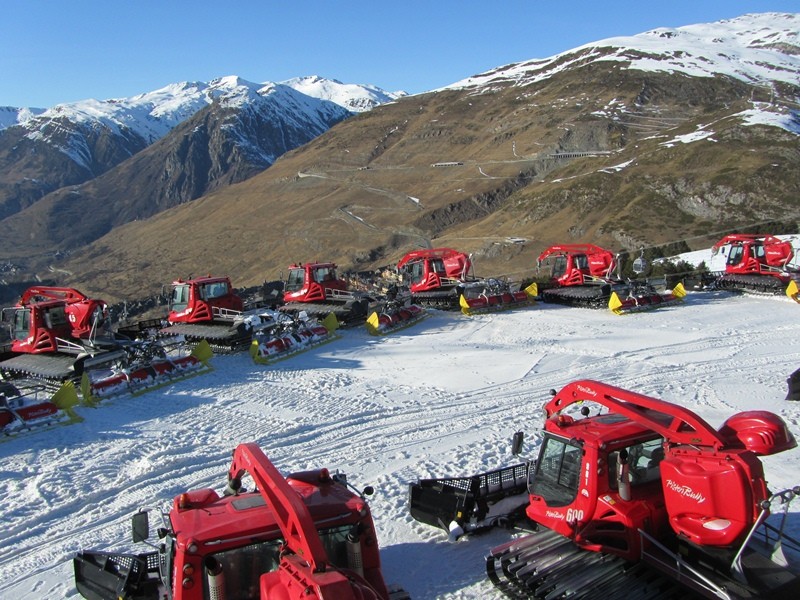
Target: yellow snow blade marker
[(331, 323), (373, 323), (257, 358), (615, 304), (66, 399), (86, 391), (793, 291), (203, 352), (679, 291), (532, 291), (464, 305)]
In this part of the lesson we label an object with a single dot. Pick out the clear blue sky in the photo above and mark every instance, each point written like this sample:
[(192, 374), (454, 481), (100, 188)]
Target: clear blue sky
[(53, 51)]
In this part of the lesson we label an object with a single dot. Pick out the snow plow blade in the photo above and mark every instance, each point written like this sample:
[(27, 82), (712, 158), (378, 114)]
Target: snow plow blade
[(24, 410), (295, 337), (793, 291), (107, 576), (467, 504), (391, 319), (143, 378), (495, 302), (645, 302)]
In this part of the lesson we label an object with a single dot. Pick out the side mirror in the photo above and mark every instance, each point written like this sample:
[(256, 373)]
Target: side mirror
[(516, 443), (140, 525)]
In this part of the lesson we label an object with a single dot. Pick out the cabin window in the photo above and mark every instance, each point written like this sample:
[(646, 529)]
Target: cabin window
[(215, 290), (55, 317), (324, 274), (644, 461)]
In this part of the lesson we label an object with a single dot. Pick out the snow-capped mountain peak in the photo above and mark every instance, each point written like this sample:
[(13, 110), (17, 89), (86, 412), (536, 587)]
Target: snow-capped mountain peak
[(153, 114), (353, 97)]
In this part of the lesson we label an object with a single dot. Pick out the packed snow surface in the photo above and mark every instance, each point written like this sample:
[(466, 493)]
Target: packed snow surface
[(441, 398)]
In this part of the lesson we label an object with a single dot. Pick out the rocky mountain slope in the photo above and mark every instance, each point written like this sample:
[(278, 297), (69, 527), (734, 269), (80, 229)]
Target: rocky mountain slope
[(672, 135), (70, 174)]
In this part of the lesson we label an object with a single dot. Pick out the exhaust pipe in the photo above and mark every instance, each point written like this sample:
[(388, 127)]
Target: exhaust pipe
[(355, 560), (216, 578)]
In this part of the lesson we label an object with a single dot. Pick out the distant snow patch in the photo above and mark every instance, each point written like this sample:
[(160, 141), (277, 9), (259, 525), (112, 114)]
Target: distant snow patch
[(617, 168)]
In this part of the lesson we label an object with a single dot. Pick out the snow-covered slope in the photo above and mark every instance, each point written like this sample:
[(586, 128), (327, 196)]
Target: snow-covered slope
[(756, 48), (10, 115), (441, 398)]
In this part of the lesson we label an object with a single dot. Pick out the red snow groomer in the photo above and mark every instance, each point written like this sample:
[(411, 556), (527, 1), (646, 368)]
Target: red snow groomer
[(59, 334), (208, 308), (306, 536), (316, 289), (442, 278), (633, 497), (758, 264), (583, 275)]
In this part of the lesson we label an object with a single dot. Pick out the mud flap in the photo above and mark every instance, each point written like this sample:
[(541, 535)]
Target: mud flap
[(107, 576), (469, 501)]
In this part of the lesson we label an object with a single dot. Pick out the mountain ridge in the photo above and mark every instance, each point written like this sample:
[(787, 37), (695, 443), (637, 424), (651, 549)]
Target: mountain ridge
[(596, 151)]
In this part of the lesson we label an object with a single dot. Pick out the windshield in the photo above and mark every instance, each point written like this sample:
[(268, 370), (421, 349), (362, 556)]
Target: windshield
[(559, 266), (735, 257), (415, 271), (22, 324), (180, 297), (243, 567), (557, 472), (295, 281)]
